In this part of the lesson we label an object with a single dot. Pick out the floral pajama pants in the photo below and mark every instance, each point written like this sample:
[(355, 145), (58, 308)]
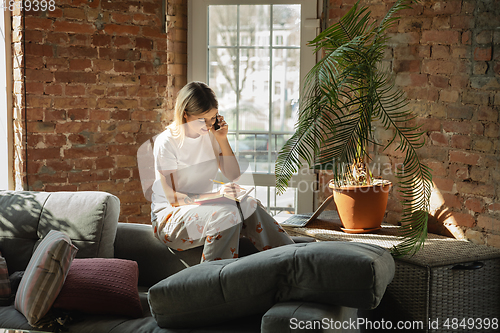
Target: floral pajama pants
[(218, 227)]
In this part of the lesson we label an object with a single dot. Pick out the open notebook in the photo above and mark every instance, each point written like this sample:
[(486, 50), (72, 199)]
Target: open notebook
[(221, 198), (301, 220)]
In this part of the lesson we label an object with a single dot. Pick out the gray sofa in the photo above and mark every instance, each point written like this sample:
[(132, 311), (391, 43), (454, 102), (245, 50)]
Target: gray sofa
[(91, 221)]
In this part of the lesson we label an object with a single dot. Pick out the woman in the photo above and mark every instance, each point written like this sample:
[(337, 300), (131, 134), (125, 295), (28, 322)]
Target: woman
[(188, 155)]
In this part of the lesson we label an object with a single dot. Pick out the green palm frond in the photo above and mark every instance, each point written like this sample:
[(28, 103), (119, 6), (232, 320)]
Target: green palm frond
[(415, 178), (343, 95)]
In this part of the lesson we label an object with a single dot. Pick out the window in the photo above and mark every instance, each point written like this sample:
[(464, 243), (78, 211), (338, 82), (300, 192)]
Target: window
[(254, 56), (5, 103), (277, 88)]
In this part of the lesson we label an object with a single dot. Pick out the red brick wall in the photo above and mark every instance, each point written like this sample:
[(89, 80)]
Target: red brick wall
[(100, 77), (446, 55)]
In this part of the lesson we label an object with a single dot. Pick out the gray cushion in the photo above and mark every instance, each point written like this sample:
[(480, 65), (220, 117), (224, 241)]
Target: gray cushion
[(310, 318), (336, 273), (19, 216), (89, 218)]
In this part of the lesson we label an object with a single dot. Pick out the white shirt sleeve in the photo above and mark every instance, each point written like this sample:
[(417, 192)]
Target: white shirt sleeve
[(165, 153)]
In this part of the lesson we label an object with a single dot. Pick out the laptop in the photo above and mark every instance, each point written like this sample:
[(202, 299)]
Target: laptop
[(301, 220)]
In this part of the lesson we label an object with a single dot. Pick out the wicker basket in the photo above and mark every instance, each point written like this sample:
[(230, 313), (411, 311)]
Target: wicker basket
[(445, 286), (446, 279)]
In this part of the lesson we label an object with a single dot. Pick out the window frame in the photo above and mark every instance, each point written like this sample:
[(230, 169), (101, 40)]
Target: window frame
[(198, 16), (6, 122), (197, 70)]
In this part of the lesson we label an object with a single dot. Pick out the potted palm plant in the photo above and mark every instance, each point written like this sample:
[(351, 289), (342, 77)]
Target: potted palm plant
[(345, 95)]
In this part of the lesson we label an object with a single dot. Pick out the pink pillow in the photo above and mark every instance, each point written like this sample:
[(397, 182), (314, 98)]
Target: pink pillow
[(101, 286)]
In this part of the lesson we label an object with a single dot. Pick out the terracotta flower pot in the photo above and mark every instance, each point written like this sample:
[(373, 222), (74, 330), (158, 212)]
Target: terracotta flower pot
[(361, 208)]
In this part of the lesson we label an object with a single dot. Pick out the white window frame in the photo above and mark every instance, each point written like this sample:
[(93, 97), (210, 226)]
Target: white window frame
[(197, 70), (6, 128)]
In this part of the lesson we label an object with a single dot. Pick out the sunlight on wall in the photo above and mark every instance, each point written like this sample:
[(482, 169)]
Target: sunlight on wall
[(442, 220)]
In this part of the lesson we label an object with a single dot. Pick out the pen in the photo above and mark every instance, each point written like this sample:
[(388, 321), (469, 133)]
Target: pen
[(219, 182)]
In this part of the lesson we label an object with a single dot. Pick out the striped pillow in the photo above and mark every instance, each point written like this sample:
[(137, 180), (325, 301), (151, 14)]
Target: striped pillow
[(44, 276), (4, 282)]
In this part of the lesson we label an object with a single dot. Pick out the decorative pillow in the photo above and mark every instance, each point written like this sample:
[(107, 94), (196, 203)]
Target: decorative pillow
[(102, 286), (336, 273), (5, 291), (44, 276)]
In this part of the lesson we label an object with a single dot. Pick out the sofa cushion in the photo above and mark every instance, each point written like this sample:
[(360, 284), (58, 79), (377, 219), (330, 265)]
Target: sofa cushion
[(19, 216), (309, 317), (336, 273), (5, 291), (89, 218), (101, 286), (44, 276)]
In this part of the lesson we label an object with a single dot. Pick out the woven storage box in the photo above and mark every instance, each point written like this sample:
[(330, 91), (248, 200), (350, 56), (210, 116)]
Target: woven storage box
[(447, 286), (447, 281)]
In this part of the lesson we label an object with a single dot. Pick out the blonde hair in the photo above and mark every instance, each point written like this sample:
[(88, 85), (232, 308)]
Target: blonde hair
[(193, 99)]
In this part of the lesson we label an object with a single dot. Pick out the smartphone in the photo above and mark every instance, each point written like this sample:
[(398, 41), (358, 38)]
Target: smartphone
[(216, 124)]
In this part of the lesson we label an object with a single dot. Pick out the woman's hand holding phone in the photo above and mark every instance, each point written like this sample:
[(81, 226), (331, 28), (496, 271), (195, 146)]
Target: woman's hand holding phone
[(216, 124), (228, 164), (220, 127)]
